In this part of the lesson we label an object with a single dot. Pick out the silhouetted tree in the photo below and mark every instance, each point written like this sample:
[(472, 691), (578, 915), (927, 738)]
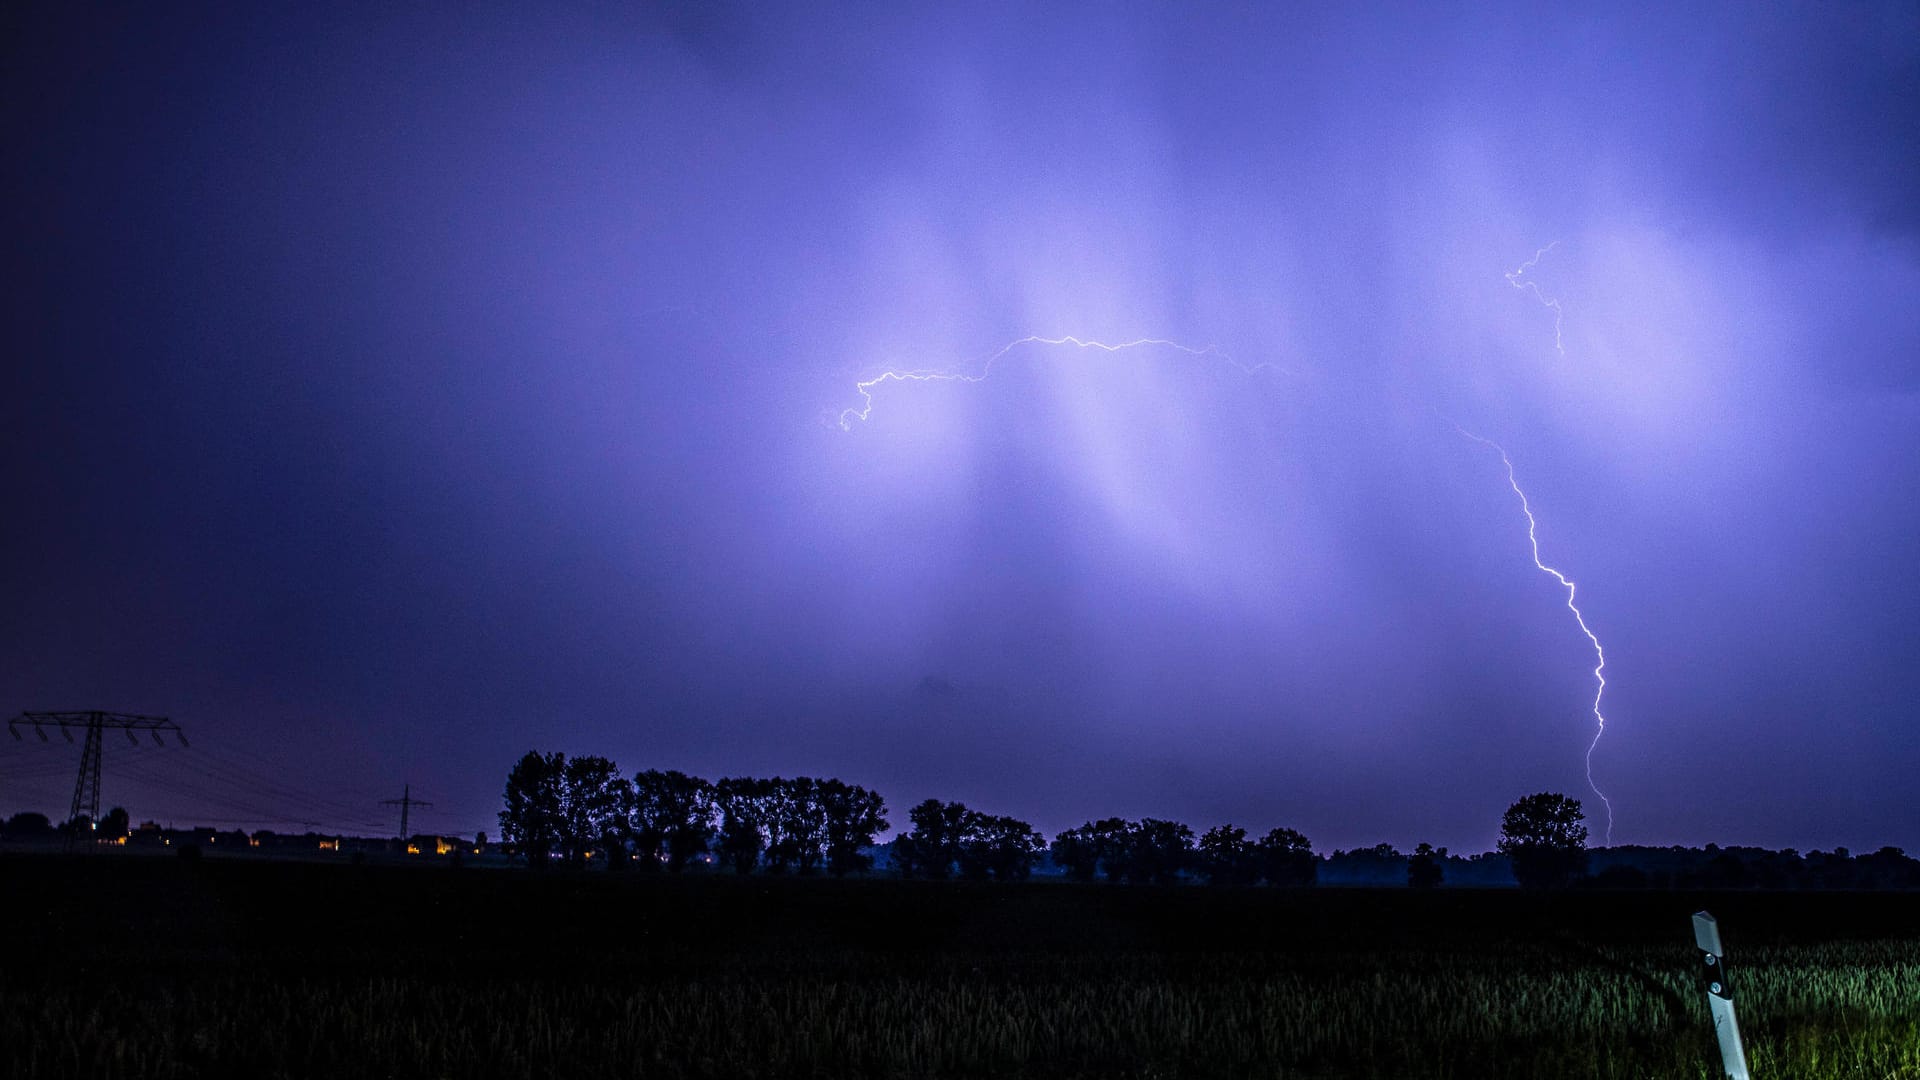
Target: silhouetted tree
[(28, 824), (797, 825), (742, 805), (1426, 869), (593, 809), (852, 819), (670, 817), (1543, 836), (932, 846), (1381, 864), (115, 825), (1114, 841), (1226, 858), (1286, 859), (974, 855), (1161, 850), (776, 817), (1889, 868), (534, 818), (1001, 848), (1077, 852)]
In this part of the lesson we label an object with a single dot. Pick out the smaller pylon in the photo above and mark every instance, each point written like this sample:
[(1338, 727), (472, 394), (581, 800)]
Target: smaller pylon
[(406, 802)]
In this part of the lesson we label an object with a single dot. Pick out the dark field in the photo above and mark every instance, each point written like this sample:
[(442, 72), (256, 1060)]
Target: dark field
[(122, 966)]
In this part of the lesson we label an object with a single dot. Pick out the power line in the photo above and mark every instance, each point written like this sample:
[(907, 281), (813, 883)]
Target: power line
[(86, 786), (222, 779)]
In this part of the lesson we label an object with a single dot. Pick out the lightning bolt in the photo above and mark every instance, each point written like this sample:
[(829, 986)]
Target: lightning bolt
[(1532, 286), (865, 389), (1599, 653)]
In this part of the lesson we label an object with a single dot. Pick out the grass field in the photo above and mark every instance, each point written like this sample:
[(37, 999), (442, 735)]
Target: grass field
[(132, 967)]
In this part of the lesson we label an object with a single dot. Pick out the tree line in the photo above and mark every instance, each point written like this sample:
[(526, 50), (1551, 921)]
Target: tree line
[(1153, 851), (575, 811)]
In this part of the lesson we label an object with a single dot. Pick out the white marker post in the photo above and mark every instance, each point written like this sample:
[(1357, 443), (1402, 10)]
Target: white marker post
[(1713, 957)]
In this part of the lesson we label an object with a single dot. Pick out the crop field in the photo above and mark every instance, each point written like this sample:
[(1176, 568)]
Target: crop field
[(154, 967)]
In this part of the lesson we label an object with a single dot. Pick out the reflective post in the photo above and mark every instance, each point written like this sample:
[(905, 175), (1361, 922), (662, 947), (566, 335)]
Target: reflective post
[(1713, 960)]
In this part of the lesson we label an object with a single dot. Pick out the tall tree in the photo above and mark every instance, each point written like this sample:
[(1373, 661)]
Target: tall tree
[(534, 817), (1544, 836), (742, 806), (593, 809), (852, 818), (1161, 850), (932, 846), (1077, 852), (1114, 841), (1426, 867), (801, 825), (1286, 859), (1001, 848), (787, 815), (1226, 858), (116, 824), (671, 818), (689, 822)]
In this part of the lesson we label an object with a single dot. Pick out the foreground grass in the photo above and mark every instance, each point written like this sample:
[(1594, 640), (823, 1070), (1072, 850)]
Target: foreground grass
[(156, 969)]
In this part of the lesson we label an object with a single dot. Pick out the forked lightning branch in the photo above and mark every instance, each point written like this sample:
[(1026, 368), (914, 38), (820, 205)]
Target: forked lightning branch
[(904, 375), (867, 388)]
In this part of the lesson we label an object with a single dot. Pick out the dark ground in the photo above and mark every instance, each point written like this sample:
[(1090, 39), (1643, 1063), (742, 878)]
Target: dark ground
[(127, 966)]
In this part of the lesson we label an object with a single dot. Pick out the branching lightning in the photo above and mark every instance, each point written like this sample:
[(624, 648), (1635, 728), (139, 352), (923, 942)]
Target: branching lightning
[(866, 388), (1532, 286), (1599, 653)]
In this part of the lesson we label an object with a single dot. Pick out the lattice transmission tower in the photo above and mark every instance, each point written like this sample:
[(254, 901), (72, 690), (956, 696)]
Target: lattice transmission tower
[(406, 802), (86, 786)]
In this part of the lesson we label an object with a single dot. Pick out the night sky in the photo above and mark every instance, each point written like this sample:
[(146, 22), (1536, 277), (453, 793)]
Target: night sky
[(388, 393)]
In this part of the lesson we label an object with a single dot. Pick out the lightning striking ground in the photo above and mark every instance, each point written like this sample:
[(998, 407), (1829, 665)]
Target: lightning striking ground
[(865, 389), (1599, 653), (1532, 286)]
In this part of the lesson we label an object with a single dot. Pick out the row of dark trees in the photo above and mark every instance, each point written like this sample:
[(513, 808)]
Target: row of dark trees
[(578, 809), (1715, 867), (29, 824), (1154, 851), (1541, 835), (947, 837), (575, 810)]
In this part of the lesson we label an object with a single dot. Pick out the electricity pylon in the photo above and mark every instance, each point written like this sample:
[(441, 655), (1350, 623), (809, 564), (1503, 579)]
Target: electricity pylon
[(405, 802), (86, 786)]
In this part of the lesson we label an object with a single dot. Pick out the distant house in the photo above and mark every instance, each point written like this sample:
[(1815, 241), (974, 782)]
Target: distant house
[(268, 841), (440, 845)]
